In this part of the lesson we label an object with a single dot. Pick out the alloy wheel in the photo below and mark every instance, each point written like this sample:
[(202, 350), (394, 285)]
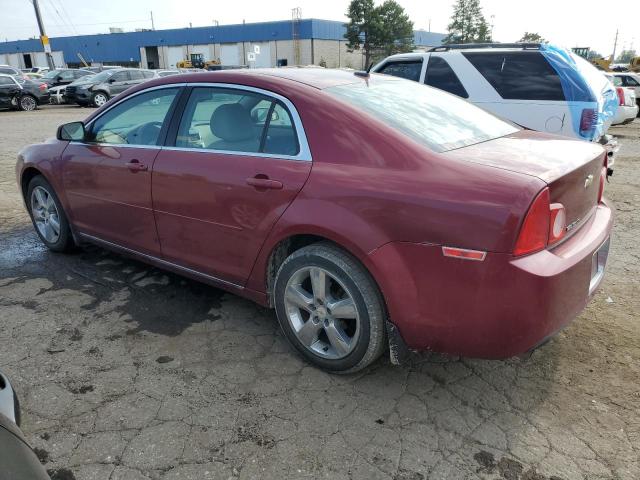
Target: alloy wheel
[(99, 99), (28, 103), (45, 214), (322, 313)]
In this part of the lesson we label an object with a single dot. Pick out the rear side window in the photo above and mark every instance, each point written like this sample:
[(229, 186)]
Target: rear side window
[(518, 75), (441, 75), (121, 76), (136, 75), (147, 74), (630, 81), (409, 70), (6, 81)]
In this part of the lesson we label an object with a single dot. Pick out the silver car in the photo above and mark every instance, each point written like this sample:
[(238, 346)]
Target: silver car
[(96, 90)]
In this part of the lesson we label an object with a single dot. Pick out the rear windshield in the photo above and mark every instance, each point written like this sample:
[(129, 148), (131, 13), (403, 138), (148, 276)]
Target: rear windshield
[(437, 119)]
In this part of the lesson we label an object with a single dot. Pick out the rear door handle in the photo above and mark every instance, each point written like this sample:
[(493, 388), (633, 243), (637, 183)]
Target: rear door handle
[(135, 166), (264, 182)]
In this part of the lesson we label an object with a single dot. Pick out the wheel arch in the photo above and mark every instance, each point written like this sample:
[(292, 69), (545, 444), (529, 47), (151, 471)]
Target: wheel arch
[(26, 176)]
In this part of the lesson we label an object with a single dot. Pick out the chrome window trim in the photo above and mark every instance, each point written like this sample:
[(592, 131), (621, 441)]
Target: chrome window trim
[(303, 155), (101, 241)]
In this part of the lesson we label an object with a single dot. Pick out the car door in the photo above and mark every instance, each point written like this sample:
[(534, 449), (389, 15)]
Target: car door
[(107, 178), (119, 82), (237, 159), (8, 89)]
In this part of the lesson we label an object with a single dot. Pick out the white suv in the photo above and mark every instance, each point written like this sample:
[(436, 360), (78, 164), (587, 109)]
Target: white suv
[(538, 86), (629, 80)]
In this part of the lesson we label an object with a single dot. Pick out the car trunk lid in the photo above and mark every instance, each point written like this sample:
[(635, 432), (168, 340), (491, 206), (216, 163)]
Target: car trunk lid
[(571, 168)]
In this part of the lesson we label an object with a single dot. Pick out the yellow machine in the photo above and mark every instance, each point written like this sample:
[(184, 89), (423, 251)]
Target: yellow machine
[(634, 65), (196, 60), (602, 63)]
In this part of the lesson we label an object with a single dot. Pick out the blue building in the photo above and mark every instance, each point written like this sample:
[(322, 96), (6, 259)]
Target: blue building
[(264, 44)]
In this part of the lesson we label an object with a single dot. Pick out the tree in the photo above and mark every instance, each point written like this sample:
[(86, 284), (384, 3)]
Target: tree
[(395, 30), (531, 37), (381, 30), (593, 54), (468, 24), (625, 56)]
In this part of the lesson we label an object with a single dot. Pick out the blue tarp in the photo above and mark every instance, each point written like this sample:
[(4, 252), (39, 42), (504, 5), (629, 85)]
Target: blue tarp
[(584, 87)]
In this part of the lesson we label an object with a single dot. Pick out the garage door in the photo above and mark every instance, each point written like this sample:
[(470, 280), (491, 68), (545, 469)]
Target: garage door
[(230, 54), (203, 49), (263, 59), (58, 59), (39, 59), (174, 55)]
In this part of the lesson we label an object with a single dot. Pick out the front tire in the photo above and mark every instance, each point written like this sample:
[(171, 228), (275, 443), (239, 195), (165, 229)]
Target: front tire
[(99, 98), (27, 103), (47, 215), (330, 309)]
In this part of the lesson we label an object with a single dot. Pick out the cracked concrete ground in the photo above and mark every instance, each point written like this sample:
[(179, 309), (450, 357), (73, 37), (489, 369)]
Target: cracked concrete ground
[(127, 372)]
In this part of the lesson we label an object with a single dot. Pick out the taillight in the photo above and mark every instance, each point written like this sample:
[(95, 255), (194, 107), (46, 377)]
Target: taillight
[(42, 87), (588, 121), (603, 177), (557, 222), (534, 233), (620, 92)]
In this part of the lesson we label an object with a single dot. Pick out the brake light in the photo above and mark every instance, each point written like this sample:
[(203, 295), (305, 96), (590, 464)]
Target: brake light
[(588, 121), (620, 92), (534, 233), (42, 87), (603, 177), (557, 222)]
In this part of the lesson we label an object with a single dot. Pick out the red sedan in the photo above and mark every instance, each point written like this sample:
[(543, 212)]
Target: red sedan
[(367, 210)]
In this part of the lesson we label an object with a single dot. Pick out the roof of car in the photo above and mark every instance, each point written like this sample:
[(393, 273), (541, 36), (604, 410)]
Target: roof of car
[(320, 78)]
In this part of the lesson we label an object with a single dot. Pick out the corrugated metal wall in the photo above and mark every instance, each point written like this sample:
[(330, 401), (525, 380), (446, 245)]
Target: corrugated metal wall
[(125, 47)]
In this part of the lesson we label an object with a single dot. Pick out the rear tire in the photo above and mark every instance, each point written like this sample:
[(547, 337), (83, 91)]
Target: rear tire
[(330, 308), (47, 215), (27, 103)]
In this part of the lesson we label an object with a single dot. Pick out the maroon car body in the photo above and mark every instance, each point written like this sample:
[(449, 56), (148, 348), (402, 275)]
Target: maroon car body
[(387, 199)]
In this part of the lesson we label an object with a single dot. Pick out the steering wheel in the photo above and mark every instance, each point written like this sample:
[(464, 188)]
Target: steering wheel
[(146, 134)]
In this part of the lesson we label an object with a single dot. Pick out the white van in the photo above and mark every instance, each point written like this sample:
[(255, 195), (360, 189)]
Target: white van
[(537, 86)]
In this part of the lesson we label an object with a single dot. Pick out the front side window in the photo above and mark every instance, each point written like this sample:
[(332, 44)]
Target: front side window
[(409, 70), (136, 121), (426, 115), (236, 121), (617, 81), (518, 75), (120, 76), (136, 75), (441, 75)]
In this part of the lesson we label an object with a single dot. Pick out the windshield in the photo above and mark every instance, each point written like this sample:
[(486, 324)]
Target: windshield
[(437, 119), (100, 77), (51, 74)]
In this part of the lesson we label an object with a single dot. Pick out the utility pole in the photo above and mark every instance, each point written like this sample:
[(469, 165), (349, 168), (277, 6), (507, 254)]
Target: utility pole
[(153, 27), (43, 36), (615, 44)]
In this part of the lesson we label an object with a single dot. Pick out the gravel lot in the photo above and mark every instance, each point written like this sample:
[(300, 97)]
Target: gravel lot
[(127, 372)]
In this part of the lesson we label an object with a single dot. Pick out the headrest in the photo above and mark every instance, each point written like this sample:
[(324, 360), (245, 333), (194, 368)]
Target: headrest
[(232, 122)]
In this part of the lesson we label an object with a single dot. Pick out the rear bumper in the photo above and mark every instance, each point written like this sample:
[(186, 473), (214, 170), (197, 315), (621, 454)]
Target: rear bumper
[(625, 114), (496, 308)]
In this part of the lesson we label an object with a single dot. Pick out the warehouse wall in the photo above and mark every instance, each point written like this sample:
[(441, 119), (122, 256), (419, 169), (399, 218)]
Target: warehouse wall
[(336, 55)]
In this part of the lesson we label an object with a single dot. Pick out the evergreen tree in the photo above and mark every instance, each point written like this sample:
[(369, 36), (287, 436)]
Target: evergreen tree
[(468, 24), (531, 37)]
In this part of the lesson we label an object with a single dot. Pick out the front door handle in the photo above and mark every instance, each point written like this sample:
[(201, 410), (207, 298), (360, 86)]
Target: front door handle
[(135, 166), (263, 182)]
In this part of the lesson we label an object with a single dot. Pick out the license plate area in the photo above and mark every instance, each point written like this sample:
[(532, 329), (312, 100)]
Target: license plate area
[(598, 263)]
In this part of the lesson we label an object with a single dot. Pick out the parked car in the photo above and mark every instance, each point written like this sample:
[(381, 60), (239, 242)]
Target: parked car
[(98, 89), (166, 73), (22, 94), (98, 69), (627, 106), (64, 76), (629, 80), (18, 460), (9, 70), (538, 86), (425, 219)]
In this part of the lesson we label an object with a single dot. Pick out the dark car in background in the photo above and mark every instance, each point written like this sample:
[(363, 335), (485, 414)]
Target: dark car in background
[(17, 460), (98, 89), (9, 70), (22, 94), (63, 76)]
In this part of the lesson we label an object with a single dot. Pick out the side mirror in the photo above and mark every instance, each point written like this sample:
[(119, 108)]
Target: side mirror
[(112, 80), (9, 406), (73, 131), (59, 78), (259, 115)]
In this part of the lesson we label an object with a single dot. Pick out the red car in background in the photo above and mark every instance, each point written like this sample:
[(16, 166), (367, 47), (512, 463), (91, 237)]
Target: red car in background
[(367, 210)]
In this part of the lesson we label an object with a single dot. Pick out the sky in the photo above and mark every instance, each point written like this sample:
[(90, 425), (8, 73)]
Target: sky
[(571, 23)]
